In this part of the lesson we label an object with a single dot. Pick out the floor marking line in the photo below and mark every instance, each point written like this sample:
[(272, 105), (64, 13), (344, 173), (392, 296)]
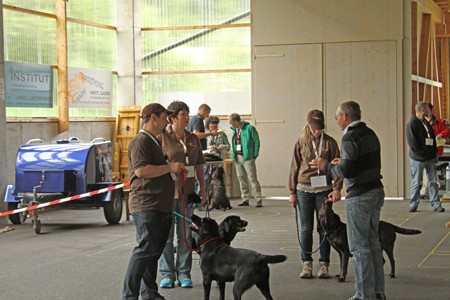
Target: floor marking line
[(109, 249), (407, 219), (431, 253)]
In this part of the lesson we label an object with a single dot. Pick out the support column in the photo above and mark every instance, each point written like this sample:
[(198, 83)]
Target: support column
[(129, 63), (4, 138), (61, 45)]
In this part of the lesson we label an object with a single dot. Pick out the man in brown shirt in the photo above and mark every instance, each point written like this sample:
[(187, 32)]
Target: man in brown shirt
[(151, 200)]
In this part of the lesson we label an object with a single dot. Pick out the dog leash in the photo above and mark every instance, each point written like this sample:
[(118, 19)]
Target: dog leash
[(183, 211), (181, 216), (298, 234)]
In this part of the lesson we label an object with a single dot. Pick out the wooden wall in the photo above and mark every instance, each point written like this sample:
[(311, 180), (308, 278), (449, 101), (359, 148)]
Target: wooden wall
[(317, 54)]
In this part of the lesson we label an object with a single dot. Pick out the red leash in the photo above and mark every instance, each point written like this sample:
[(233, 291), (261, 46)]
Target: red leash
[(183, 211)]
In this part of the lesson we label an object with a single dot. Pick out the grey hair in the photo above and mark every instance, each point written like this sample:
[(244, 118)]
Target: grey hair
[(421, 105), (351, 109)]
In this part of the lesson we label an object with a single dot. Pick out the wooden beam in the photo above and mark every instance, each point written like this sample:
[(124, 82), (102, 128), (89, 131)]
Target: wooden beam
[(28, 11), (92, 24), (438, 97), (414, 66), (424, 48), (61, 45), (445, 77), (426, 81)]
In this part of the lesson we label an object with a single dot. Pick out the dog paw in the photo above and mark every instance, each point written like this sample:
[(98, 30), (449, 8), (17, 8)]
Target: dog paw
[(392, 275), (340, 279)]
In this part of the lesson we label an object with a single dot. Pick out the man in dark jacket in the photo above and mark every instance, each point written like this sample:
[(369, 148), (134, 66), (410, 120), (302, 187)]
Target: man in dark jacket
[(360, 166), (422, 154)]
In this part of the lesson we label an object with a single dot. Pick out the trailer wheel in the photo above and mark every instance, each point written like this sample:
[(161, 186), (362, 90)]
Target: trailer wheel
[(113, 209), (15, 218)]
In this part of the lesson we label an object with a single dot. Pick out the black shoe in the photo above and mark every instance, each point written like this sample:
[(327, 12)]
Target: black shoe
[(243, 203), (380, 297), (157, 296), (413, 208), (439, 209)]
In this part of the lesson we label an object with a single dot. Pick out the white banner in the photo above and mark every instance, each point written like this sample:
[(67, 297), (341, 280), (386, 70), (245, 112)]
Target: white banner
[(90, 88)]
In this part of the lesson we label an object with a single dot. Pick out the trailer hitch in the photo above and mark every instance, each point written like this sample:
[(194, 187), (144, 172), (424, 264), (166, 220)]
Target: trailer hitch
[(26, 202)]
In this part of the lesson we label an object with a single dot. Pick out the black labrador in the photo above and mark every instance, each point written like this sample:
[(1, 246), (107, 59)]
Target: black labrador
[(223, 263), (230, 226), (218, 192), (336, 233)]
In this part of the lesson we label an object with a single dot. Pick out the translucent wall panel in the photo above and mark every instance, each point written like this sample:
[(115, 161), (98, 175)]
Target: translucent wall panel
[(98, 11), (226, 48), (213, 82), (47, 6), (160, 13), (91, 47), (29, 38)]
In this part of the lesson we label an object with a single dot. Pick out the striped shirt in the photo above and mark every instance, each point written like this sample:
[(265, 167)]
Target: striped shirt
[(360, 160)]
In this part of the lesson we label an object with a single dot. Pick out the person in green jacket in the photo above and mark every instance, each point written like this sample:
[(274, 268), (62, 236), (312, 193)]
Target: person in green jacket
[(244, 151)]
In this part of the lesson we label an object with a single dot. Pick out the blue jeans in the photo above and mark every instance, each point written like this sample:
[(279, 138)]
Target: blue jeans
[(183, 265), (152, 230), (206, 170), (417, 168), (363, 217), (307, 204)]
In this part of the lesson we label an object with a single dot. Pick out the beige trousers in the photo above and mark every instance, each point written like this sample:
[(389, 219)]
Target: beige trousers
[(246, 173)]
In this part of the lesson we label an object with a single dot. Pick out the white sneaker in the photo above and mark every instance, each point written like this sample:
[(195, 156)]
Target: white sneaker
[(323, 270), (307, 270)]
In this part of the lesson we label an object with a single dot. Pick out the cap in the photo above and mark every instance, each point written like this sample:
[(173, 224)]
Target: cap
[(153, 108), (316, 120)]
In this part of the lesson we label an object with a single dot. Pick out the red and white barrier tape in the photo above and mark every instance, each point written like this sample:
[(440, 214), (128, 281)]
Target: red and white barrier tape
[(59, 201)]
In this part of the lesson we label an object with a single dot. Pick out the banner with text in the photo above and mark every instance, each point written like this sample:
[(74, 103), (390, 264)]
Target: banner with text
[(89, 88), (28, 85)]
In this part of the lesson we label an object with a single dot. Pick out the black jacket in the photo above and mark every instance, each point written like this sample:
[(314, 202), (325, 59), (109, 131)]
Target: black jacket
[(416, 135), (360, 160)]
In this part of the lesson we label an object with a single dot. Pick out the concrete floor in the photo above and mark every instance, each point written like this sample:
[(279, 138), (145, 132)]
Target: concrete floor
[(79, 256)]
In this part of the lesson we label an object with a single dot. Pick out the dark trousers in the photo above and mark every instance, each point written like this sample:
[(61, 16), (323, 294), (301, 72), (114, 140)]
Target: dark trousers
[(152, 231)]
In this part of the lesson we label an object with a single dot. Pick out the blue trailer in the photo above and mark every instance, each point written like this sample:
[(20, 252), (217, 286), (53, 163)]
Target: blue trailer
[(63, 168)]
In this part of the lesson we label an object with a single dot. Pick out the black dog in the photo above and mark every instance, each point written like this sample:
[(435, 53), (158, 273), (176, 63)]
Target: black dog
[(336, 233), (230, 226), (218, 192), (224, 263), (228, 229)]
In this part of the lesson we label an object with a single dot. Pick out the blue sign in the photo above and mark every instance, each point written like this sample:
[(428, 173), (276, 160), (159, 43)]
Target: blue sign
[(28, 85)]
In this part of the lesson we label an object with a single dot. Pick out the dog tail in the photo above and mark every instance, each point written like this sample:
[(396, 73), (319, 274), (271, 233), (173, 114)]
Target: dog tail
[(406, 230), (273, 259)]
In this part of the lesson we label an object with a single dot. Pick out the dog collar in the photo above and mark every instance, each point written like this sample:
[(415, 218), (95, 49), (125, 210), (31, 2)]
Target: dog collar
[(207, 242)]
